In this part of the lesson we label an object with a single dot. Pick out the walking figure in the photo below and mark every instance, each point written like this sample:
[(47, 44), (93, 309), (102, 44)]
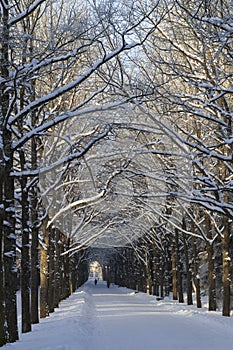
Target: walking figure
[(95, 281), (108, 284)]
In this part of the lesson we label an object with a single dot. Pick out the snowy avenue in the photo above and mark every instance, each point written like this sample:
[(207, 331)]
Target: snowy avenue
[(98, 318), (116, 174)]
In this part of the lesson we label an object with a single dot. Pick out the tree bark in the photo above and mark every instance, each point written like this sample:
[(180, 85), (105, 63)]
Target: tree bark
[(211, 267), (57, 268), (2, 311), (34, 259), (10, 269), (174, 270), (67, 290), (51, 281), (7, 188), (179, 265), (148, 274), (44, 273), (188, 267), (25, 256), (195, 273), (35, 270), (161, 270), (226, 268)]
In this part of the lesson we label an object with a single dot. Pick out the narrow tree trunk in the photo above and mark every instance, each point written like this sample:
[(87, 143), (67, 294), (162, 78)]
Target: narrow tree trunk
[(188, 267), (211, 278), (167, 272), (34, 260), (25, 256), (51, 281), (34, 220), (161, 294), (179, 266), (156, 270), (44, 273), (57, 268), (67, 273), (174, 270), (148, 274), (211, 268), (25, 263), (195, 272), (226, 268)]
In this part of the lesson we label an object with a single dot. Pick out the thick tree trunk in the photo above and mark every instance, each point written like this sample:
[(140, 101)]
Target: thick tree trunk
[(2, 312), (10, 269), (7, 186)]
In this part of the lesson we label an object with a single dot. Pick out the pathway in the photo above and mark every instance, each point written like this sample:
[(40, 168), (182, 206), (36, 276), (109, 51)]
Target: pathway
[(101, 318)]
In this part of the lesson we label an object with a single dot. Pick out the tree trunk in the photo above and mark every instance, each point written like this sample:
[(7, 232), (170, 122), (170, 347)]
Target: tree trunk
[(51, 281), (44, 273), (174, 270), (195, 272), (57, 268), (155, 270), (188, 267), (211, 268), (25, 256), (34, 260), (35, 270), (66, 274), (161, 294), (2, 312), (167, 272), (226, 268), (10, 269), (148, 274), (179, 266), (9, 252), (25, 266), (211, 278)]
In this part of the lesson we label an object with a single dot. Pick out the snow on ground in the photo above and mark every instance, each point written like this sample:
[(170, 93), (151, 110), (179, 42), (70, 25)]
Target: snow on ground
[(101, 318)]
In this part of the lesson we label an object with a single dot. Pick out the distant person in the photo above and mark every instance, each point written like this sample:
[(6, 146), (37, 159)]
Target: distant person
[(108, 284), (95, 281)]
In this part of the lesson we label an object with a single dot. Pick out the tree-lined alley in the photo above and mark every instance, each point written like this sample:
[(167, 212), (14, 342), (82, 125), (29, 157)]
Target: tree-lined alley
[(115, 145)]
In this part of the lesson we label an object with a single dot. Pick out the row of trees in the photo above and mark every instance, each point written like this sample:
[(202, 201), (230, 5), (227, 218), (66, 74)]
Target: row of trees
[(185, 136), (56, 67), (115, 131)]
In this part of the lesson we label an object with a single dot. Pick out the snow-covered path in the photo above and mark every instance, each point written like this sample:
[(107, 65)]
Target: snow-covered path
[(101, 318)]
